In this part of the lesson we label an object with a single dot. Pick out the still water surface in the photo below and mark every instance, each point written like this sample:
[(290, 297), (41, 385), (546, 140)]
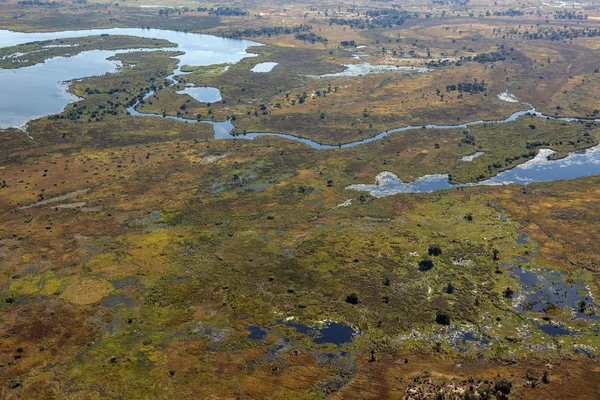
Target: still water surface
[(38, 90)]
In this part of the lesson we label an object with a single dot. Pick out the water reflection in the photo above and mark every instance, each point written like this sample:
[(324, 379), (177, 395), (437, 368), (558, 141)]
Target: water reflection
[(41, 89)]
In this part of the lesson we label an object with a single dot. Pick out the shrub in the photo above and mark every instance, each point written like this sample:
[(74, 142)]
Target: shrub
[(434, 250), (425, 264), (442, 318), (503, 387), (352, 298)]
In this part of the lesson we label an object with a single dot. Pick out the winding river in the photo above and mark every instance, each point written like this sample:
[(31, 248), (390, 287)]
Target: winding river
[(40, 90)]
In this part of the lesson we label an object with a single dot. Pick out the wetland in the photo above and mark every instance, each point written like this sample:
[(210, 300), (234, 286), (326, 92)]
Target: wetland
[(188, 208)]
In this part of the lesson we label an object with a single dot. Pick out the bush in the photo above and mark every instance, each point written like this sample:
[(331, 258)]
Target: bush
[(503, 387), (425, 264), (442, 318), (352, 298), (434, 250)]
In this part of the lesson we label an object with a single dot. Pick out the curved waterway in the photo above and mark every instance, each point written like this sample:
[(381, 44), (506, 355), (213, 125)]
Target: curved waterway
[(41, 90)]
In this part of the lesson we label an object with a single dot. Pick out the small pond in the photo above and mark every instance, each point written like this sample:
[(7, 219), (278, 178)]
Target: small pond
[(202, 94), (264, 67), (329, 332)]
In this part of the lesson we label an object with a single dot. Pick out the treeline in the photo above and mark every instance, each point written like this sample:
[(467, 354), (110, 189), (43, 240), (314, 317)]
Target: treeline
[(39, 3), (269, 31), (508, 13), (310, 37), (220, 11), (561, 34), (447, 2), (569, 15), (226, 11), (487, 57), (385, 18), (468, 87)]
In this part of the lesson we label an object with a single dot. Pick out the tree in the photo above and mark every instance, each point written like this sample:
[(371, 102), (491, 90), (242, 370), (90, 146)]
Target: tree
[(425, 264), (434, 250), (503, 387), (352, 299), (442, 318), (495, 253), (450, 288)]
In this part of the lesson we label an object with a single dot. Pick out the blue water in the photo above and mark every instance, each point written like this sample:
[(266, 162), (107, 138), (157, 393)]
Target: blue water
[(537, 289), (256, 332), (539, 169), (202, 94), (40, 89), (555, 330), (466, 341), (522, 239), (329, 332), (264, 67)]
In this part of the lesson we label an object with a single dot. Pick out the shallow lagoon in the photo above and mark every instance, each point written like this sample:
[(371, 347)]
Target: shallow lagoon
[(538, 169), (539, 288), (329, 332), (366, 68), (40, 90), (45, 93)]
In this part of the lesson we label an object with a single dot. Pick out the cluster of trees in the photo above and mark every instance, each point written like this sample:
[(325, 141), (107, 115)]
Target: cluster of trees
[(384, 18), (39, 3), (480, 58), (488, 57), (348, 43), (439, 63), (447, 2), (570, 15), (227, 11), (560, 34), (468, 87), (468, 139), (355, 23), (310, 37), (270, 31), (508, 13), (167, 11), (219, 11)]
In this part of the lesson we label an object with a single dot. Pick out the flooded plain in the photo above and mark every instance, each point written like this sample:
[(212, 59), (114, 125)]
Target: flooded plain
[(41, 89)]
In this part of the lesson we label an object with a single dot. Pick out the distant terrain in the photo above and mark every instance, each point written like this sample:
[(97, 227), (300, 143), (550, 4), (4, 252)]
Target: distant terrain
[(299, 200)]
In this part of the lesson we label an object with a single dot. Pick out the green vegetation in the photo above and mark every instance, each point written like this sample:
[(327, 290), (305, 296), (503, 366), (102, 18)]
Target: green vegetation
[(34, 53), (144, 258)]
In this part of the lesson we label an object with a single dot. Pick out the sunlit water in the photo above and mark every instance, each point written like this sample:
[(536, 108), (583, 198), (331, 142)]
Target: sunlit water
[(264, 67), (38, 90), (41, 90), (538, 169)]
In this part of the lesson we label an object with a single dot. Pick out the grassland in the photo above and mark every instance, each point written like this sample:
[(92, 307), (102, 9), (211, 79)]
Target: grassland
[(137, 253)]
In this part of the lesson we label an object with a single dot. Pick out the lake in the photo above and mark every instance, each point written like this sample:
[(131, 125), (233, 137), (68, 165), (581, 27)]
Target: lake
[(40, 90)]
